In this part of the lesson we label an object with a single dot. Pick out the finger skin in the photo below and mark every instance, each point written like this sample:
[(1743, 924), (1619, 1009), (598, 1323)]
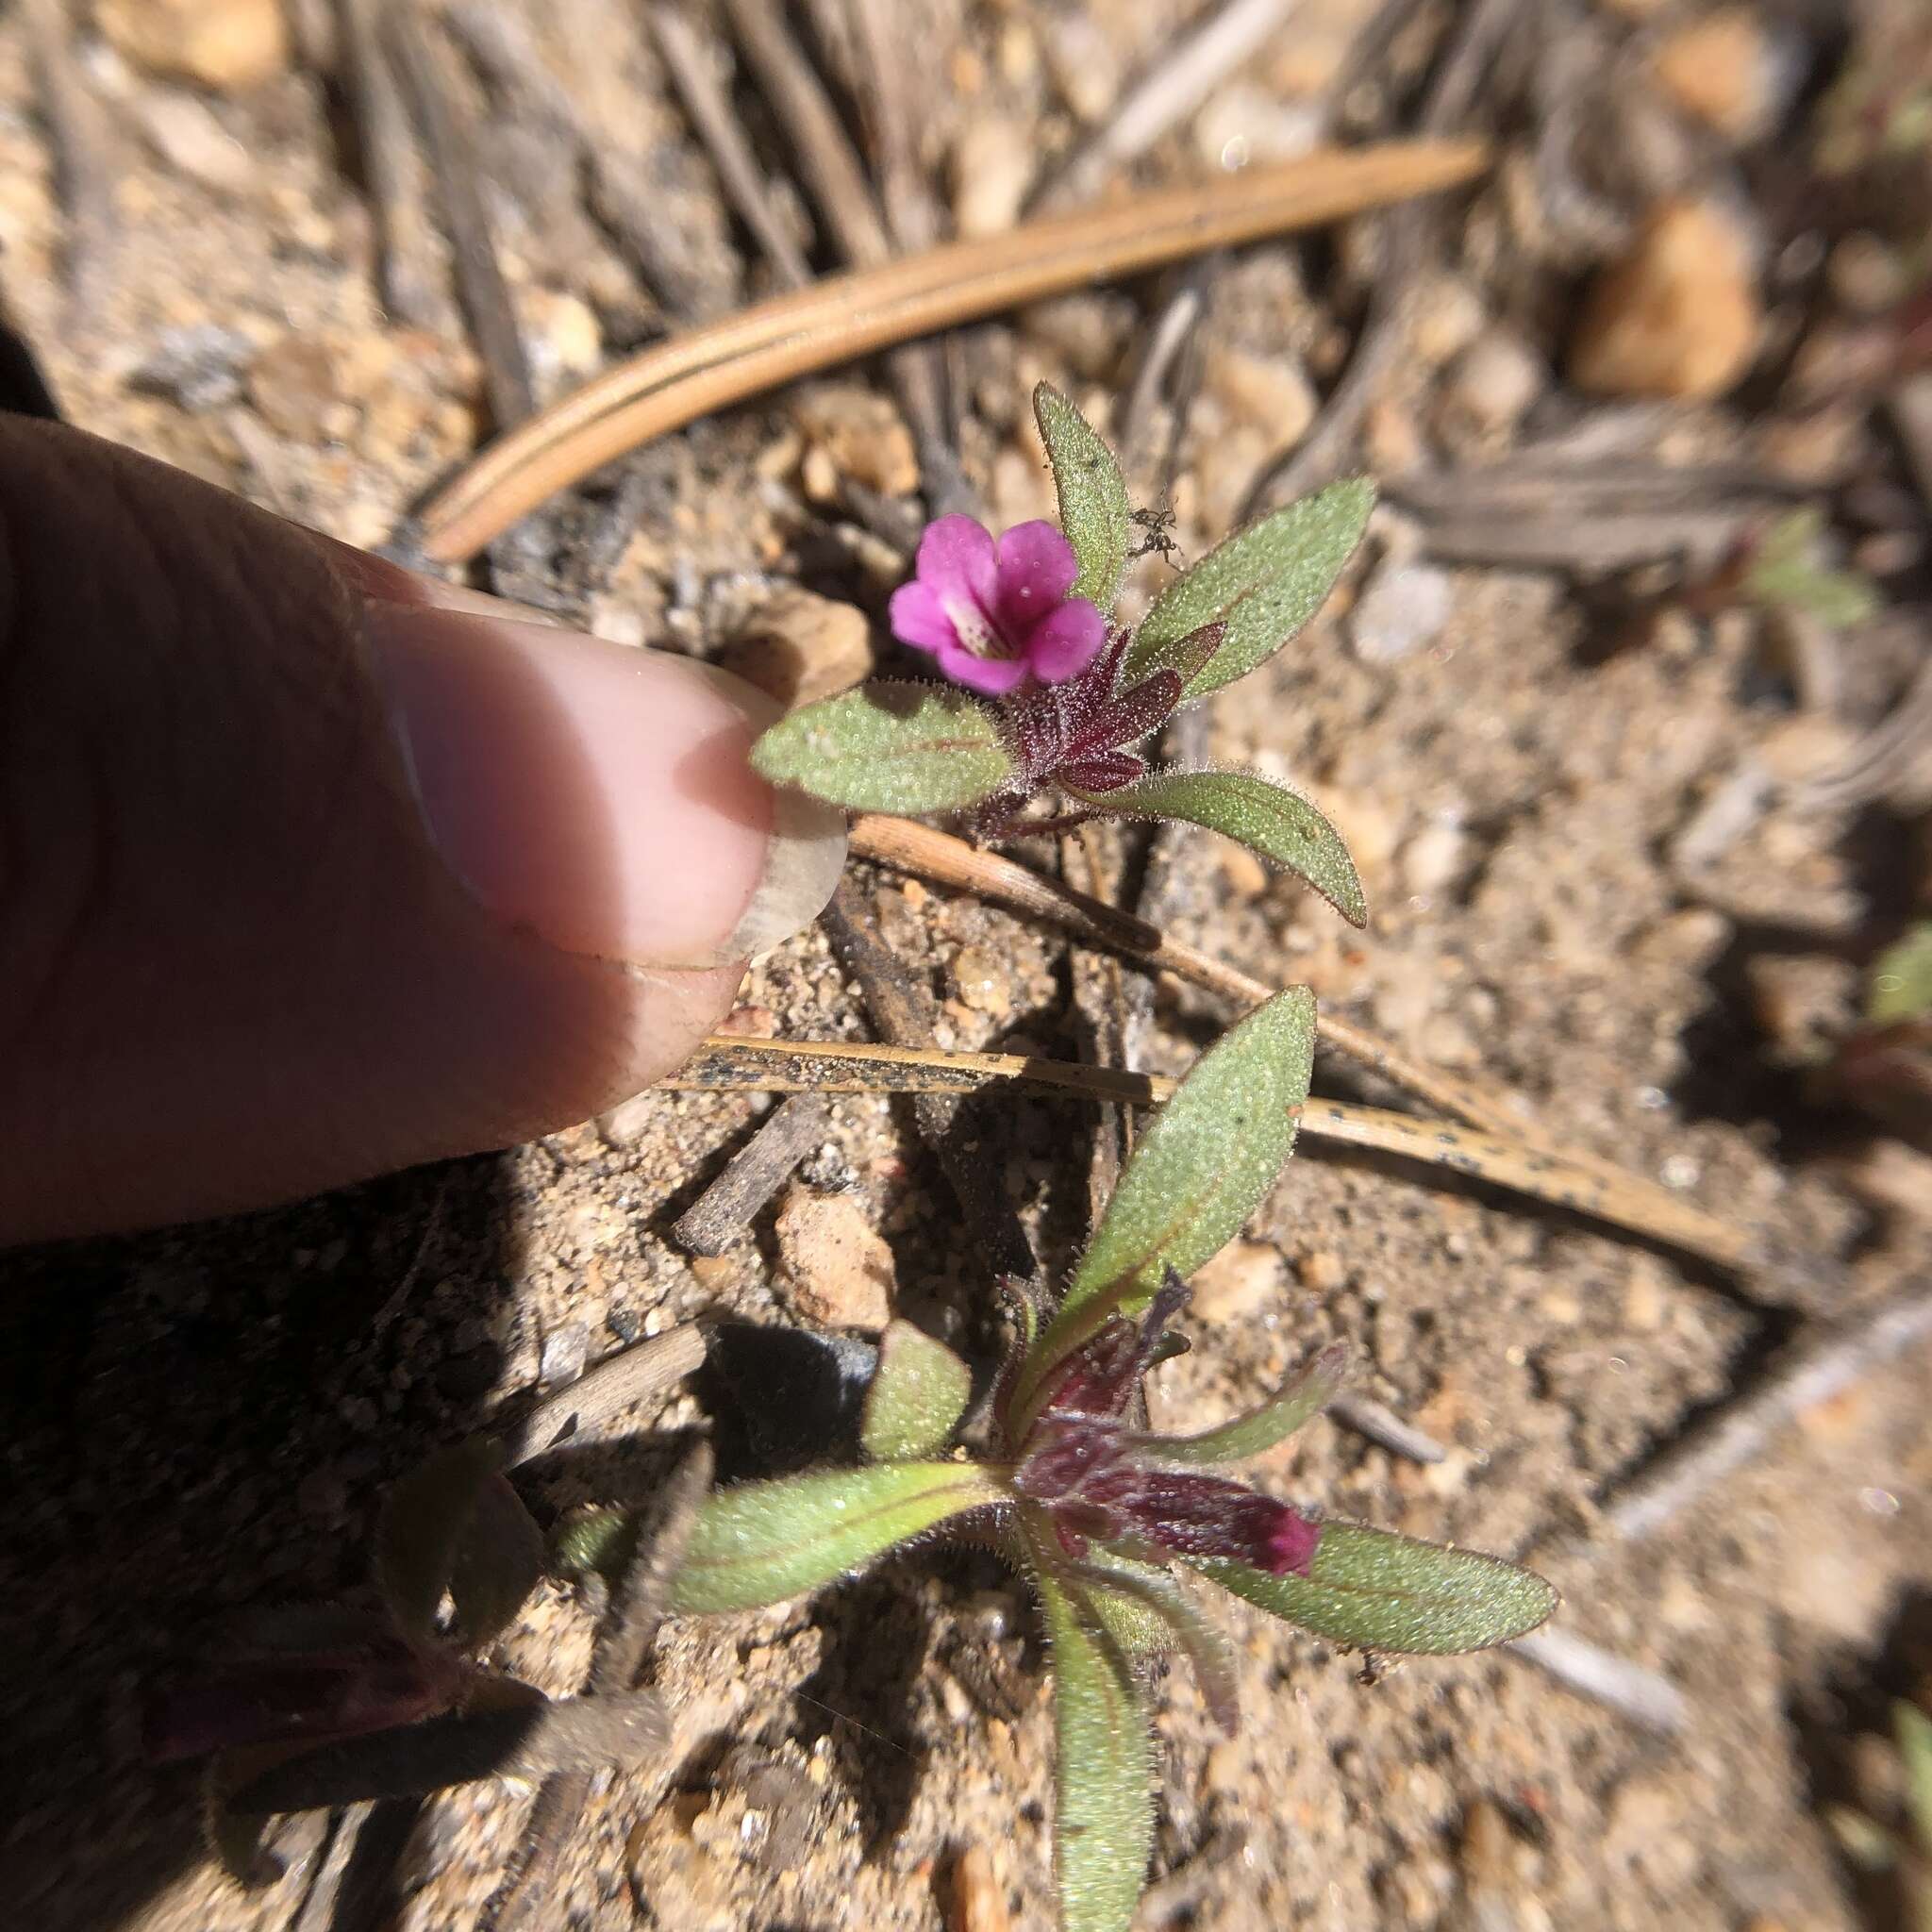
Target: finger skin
[(233, 967)]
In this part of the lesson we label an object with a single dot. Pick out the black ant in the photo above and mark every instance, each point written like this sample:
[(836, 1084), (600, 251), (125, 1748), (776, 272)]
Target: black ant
[(1157, 525)]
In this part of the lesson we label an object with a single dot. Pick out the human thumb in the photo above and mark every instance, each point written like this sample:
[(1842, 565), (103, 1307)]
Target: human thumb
[(311, 868)]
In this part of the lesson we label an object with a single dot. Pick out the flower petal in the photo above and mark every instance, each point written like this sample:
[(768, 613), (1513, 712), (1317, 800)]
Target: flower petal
[(920, 619), (1036, 568), (1065, 641), (992, 676), (958, 561)]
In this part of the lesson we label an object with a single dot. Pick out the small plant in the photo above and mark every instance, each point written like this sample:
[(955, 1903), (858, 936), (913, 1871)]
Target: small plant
[(1095, 1509), (1047, 695), (325, 1704)]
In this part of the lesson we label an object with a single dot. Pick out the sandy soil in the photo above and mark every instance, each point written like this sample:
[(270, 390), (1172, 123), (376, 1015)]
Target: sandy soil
[(204, 1420)]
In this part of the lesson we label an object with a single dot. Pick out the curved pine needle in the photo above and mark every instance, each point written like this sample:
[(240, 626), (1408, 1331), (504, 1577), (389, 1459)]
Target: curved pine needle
[(731, 1063), (847, 316)]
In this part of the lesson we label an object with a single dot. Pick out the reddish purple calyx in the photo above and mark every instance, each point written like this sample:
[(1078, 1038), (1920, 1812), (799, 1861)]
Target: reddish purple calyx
[(1098, 1484), (997, 614)]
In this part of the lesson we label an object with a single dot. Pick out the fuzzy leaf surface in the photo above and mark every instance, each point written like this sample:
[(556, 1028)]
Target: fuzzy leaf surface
[(1103, 1825), (1213, 1150), (1276, 823), (1259, 1430), (1092, 494), (889, 747), (1264, 583), (919, 1391), (765, 1541), (1382, 1592)]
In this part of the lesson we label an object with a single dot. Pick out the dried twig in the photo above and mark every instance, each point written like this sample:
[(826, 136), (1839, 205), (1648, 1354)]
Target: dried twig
[(1166, 341), (1651, 1702), (911, 219), (848, 316), (630, 1624), (1175, 83), (902, 1012), (82, 140), (837, 182), (722, 1213), (1385, 1428), (731, 1063), (618, 168), (1823, 1362), (717, 127), (1894, 757), (455, 167), (831, 167), (1322, 450), (392, 168), (612, 1388)]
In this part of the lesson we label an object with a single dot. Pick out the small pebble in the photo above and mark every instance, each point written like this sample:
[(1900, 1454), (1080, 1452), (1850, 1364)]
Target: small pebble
[(859, 435), (1722, 69), (198, 367), (993, 169), (1678, 316), (295, 385), (226, 44), (798, 647), (978, 1900), (185, 132), (1493, 385), (1271, 393), (982, 981), (566, 1349), (1242, 1281), (1402, 610), (839, 1271)]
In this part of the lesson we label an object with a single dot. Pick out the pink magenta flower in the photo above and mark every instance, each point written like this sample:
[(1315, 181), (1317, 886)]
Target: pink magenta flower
[(994, 614)]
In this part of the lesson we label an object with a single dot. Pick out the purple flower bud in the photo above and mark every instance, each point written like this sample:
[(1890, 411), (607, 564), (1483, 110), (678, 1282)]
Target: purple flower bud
[(1207, 1516), (994, 614)]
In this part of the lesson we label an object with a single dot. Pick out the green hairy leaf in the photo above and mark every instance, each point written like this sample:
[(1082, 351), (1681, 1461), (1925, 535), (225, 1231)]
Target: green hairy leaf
[(1382, 1592), (763, 1543), (1092, 493), (594, 1540), (889, 747), (919, 1391), (1212, 1152), (1257, 1432), (1276, 823), (1901, 983), (1103, 1825), (424, 1521), (1265, 583)]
